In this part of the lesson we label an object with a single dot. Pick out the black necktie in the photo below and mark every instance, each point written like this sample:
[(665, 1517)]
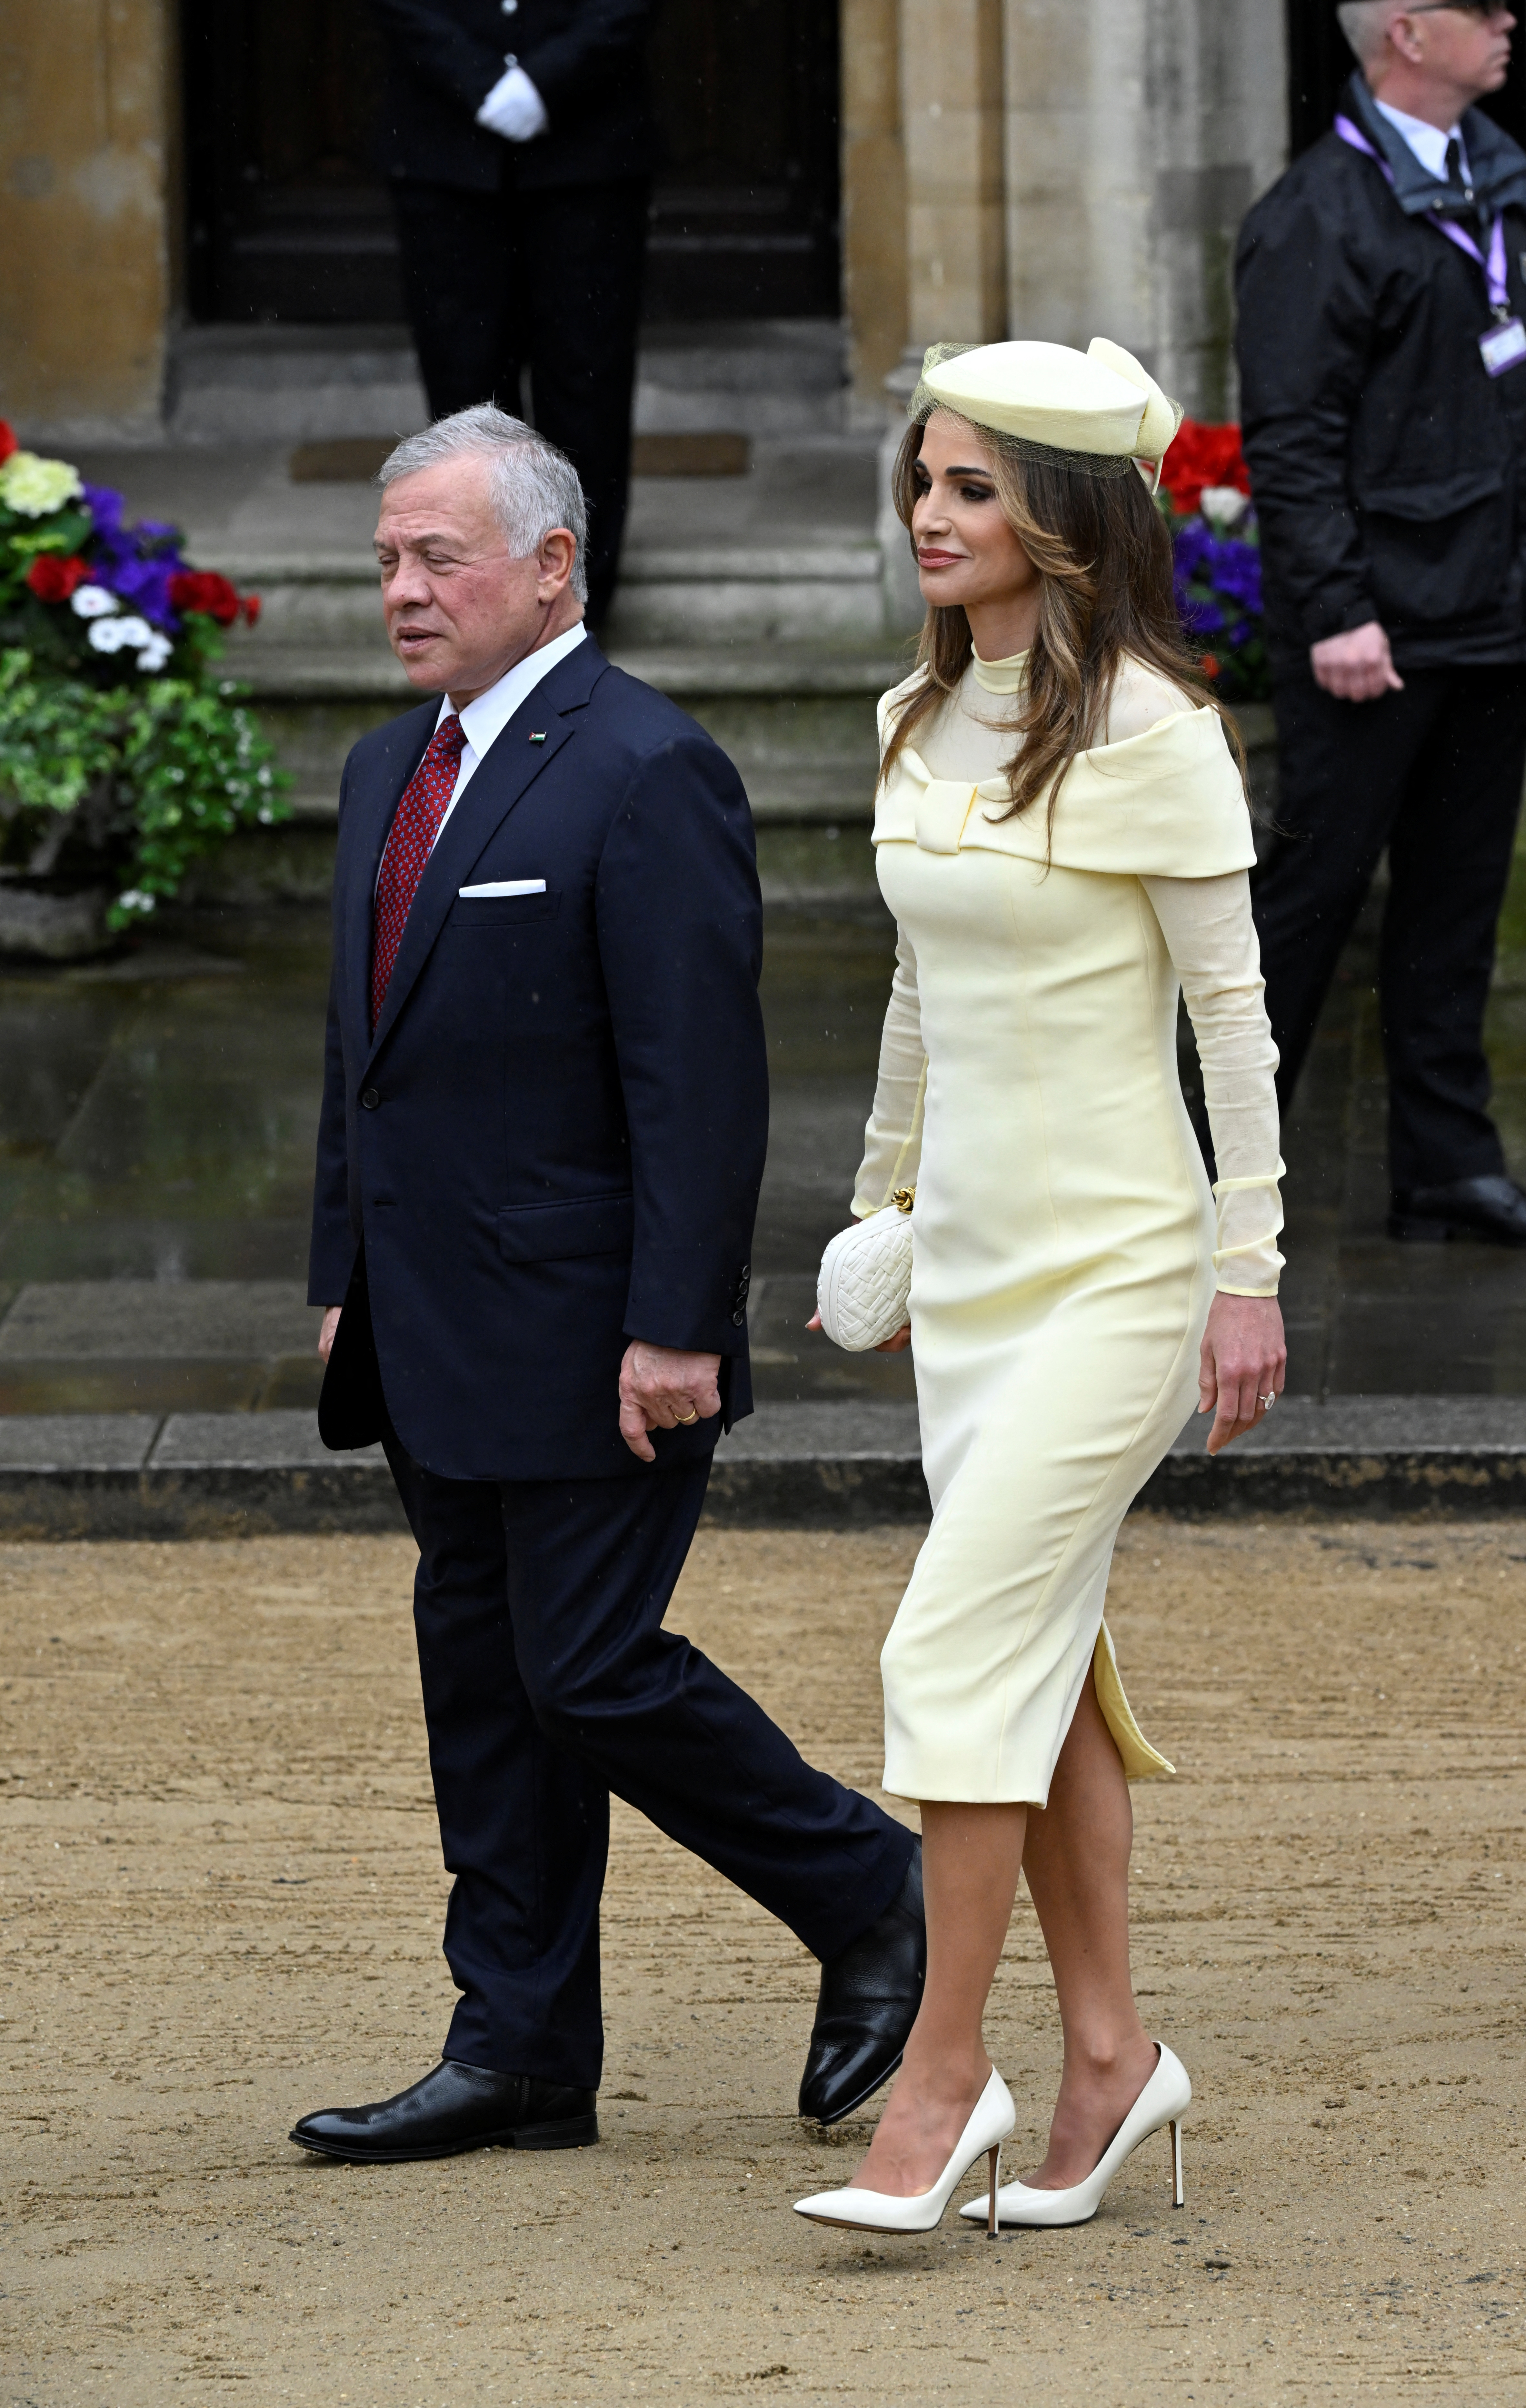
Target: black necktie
[(1461, 189)]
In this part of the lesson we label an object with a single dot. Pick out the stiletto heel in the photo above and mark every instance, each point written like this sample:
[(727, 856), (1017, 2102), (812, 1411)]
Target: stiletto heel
[(879, 2210), (1163, 2101)]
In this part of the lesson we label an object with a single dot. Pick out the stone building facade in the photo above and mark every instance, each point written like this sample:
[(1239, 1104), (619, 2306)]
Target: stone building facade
[(1045, 167)]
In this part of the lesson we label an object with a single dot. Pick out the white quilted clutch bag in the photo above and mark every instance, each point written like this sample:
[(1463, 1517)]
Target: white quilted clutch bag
[(865, 1286)]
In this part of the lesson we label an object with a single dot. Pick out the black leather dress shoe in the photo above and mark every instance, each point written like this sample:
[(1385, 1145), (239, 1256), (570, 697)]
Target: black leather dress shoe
[(456, 2107), (870, 1995), (1491, 1208)]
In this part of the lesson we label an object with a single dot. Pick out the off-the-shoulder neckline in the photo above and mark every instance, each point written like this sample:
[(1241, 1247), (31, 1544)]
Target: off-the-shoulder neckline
[(997, 787)]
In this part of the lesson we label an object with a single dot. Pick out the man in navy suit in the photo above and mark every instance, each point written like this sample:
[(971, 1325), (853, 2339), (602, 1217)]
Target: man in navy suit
[(543, 1126)]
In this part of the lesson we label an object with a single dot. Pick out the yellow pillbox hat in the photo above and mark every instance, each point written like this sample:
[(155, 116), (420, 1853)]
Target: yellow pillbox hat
[(1098, 407)]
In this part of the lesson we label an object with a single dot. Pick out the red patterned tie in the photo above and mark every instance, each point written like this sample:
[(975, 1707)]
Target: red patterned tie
[(426, 798)]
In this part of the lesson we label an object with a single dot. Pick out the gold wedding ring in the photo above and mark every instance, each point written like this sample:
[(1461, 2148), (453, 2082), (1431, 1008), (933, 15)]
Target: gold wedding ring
[(686, 1421)]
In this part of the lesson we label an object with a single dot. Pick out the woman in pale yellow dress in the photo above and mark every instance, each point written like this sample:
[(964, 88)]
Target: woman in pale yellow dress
[(1063, 836)]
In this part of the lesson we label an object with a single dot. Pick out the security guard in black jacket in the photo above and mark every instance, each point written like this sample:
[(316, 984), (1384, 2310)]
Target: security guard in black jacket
[(518, 140), (1383, 364)]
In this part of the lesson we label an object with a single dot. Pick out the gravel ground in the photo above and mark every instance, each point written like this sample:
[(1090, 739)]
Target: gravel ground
[(221, 1907)]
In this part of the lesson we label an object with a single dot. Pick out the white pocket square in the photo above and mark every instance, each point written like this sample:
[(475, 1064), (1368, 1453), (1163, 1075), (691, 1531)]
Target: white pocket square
[(503, 886)]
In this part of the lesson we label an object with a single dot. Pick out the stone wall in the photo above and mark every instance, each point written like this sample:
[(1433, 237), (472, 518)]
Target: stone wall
[(873, 192), (87, 174), (1065, 169), (1137, 136)]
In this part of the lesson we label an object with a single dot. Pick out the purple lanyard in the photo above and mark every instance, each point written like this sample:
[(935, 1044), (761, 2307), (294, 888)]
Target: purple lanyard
[(1493, 266)]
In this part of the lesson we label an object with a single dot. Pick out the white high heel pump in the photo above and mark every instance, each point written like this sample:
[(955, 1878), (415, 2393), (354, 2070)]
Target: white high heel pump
[(879, 2210), (1164, 2101)]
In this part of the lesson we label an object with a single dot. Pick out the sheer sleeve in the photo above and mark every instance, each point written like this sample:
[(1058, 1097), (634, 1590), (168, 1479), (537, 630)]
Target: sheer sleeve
[(893, 1139), (1212, 941)]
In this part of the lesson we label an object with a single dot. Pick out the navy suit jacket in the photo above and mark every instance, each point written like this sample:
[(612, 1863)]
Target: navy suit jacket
[(555, 1140)]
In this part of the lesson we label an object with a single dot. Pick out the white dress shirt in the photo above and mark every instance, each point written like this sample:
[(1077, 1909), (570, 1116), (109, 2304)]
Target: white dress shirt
[(1428, 142), (490, 714)]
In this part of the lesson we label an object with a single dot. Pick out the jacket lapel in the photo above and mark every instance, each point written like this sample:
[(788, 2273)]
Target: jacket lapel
[(511, 768), (370, 816)]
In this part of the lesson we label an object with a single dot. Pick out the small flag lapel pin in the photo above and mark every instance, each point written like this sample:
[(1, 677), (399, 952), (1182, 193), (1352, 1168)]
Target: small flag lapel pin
[(538, 737)]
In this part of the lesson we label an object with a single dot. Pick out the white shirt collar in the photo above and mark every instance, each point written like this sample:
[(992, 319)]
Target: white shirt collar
[(1428, 142), (490, 714)]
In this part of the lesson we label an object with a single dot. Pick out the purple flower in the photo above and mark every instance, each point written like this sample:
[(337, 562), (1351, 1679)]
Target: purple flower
[(135, 562), (1234, 569), (1190, 547), (1198, 617), (144, 586), (1218, 581), (104, 506)]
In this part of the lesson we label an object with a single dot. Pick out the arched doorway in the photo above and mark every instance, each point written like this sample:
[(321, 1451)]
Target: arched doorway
[(288, 222)]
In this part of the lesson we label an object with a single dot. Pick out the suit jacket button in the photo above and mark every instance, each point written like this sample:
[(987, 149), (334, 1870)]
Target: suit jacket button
[(370, 1099), (739, 1318)]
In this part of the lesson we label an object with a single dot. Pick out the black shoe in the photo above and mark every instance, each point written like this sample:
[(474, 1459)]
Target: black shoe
[(870, 1995), (1491, 1208), (455, 2107)]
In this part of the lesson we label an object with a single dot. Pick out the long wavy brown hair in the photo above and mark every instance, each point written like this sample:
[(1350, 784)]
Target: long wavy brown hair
[(1103, 553)]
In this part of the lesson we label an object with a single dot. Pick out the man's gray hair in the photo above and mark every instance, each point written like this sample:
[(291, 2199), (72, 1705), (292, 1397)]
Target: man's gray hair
[(534, 486), (1365, 25)]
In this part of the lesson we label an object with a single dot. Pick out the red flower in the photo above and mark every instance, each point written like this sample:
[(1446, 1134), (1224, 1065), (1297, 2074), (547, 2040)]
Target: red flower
[(250, 609), (1210, 664), (1203, 455), (201, 590), (54, 580), (7, 439)]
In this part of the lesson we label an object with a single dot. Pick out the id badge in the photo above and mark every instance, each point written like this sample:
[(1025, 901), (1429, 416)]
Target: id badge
[(1504, 347)]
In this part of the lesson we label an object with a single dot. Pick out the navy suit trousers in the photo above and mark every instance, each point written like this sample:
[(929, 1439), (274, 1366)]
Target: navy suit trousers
[(549, 1682), (1434, 774)]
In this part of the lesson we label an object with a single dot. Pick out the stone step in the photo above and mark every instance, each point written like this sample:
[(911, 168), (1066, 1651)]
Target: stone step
[(763, 377), (254, 384), (222, 1475), (291, 385), (797, 721), (680, 593)]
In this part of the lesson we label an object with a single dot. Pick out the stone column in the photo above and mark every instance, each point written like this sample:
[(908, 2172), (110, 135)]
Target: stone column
[(1138, 132), (87, 109), (951, 111), (873, 195)]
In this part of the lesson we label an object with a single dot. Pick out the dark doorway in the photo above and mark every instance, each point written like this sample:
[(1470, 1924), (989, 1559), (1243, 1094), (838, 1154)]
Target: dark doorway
[(744, 216), (1320, 63), (288, 218), (289, 224)]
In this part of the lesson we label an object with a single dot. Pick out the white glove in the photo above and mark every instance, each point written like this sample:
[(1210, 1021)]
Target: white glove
[(514, 107)]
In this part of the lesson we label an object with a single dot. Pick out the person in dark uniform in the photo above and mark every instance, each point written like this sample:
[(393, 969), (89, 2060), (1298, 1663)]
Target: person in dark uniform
[(1383, 364), (517, 138)]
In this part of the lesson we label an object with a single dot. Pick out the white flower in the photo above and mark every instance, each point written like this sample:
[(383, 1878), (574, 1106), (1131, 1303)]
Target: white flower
[(134, 899), (35, 487), (1223, 506), (154, 653), (129, 635), (91, 602)]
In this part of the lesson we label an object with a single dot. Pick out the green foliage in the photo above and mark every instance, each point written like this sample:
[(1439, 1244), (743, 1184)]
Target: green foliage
[(128, 784)]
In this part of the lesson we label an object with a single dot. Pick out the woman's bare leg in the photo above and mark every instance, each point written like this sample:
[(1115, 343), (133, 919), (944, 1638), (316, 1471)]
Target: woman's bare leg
[(971, 1859), (1076, 1861)]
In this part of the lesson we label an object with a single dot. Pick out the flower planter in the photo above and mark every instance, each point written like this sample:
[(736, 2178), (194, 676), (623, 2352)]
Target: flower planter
[(42, 920), (125, 758)]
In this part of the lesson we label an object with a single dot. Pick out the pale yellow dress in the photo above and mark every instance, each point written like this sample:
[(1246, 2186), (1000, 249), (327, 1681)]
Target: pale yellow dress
[(1065, 1241)]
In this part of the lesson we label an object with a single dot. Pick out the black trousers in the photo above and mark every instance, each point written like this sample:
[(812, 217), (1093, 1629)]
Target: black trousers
[(1434, 774), (549, 1682), (547, 281)]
